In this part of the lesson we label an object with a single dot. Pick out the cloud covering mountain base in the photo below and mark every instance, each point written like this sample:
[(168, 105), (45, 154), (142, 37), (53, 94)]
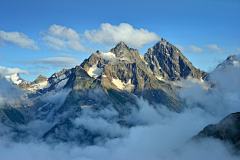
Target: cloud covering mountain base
[(155, 138)]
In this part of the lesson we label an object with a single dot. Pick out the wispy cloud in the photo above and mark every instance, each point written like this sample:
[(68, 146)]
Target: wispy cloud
[(191, 49), (195, 49), (182, 49), (37, 72), (67, 55), (111, 35), (214, 48), (238, 49), (17, 39), (55, 62), (76, 46)]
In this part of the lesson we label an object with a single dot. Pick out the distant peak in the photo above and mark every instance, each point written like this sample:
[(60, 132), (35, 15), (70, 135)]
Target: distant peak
[(231, 56), (40, 79), (40, 76)]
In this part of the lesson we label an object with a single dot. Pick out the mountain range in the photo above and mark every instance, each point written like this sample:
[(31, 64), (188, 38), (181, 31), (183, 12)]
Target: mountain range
[(111, 81)]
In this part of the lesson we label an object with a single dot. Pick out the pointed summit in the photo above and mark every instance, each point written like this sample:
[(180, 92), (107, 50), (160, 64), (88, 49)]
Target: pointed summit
[(167, 61), (121, 44), (39, 79), (123, 52)]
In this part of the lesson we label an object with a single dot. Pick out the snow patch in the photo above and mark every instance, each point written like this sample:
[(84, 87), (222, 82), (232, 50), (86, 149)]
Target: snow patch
[(160, 78), (61, 83), (14, 78), (40, 108), (41, 85), (86, 106), (121, 85), (236, 64), (61, 77), (94, 71)]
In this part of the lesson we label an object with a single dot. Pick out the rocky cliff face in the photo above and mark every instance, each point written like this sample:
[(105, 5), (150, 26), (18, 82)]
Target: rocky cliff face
[(166, 61)]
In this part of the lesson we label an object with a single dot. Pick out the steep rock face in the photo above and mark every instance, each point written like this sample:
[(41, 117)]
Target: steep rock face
[(123, 52), (129, 73), (227, 130), (134, 79), (166, 61)]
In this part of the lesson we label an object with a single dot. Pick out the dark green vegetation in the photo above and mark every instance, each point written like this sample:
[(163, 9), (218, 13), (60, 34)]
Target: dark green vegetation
[(14, 115)]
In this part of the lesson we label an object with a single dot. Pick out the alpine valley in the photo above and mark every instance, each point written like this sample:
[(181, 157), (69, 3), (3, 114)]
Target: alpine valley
[(121, 104)]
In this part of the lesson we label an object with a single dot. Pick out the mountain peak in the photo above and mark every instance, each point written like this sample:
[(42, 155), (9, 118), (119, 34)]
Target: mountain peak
[(40, 79), (163, 40), (123, 52), (121, 45), (231, 56), (166, 60)]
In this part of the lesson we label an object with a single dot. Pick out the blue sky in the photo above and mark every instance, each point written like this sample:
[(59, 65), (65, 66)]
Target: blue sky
[(42, 37)]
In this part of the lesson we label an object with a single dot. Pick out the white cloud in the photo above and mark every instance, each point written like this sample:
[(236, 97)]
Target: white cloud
[(214, 47), (109, 56), (238, 49), (111, 35), (67, 54), (55, 62), (10, 71), (54, 43), (75, 45), (38, 72), (63, 32), (18, 39), (9, 94), (62, 38), (195, 49)]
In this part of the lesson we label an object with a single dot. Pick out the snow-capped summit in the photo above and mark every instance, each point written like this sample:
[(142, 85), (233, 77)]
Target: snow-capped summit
[(231, 61), (16, 79)]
